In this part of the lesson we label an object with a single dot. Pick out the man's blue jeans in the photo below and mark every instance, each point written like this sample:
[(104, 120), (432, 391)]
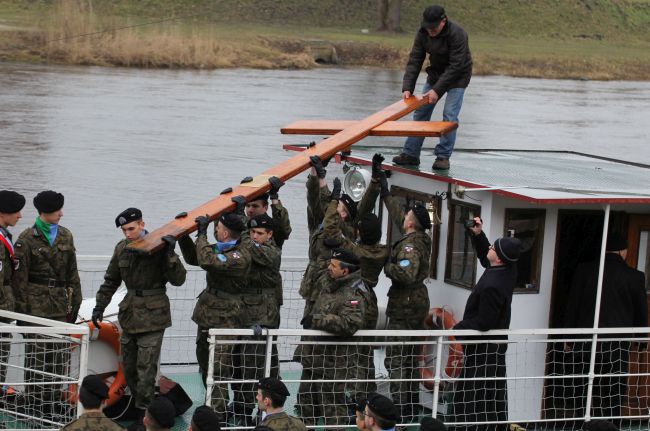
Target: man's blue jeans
[(453, 103)]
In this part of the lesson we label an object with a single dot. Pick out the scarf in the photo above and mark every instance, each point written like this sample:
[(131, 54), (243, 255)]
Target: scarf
[(49, 230), (221, 246)]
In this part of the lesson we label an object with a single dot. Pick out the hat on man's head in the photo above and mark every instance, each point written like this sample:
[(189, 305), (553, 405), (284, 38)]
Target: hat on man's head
[(273, 385), (422, 215), (127, 216), (429, 423), (369, 229), (94, 385), (599, 425), (162, 411), (48, 201), (383, 407), (345, 256), (616, 242), (350, 204), (11, 202), (232, 221), (508, 249), (432, 16), (205, 419), (263, 197), (262, 220)]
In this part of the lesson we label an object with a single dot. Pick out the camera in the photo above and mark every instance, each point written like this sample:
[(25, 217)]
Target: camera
[(470, 223)]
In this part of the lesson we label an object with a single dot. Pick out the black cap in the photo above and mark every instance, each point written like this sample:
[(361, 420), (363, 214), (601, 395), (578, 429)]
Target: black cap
[(232, 221), (369, 229), (508, 249), (94, 385), (382, 407), (350, 204), (274, 385), (205, 419), (422, 215), (48, 201), (432, 16), (127, 216), (162, 411), (11, 202), (429, 423), (616, 242), (599, 425), (262, 220), (345, 256), (263, 197)]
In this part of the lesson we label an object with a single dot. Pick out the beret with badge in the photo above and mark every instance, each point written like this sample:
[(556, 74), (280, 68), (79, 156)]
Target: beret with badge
[(350, 204), (127, 216), (383, 407), (262, 220), (232, 221), (422, 215), (345, 256)]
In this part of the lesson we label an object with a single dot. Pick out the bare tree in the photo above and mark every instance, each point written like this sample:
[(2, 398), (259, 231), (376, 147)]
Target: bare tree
[(390, 15)]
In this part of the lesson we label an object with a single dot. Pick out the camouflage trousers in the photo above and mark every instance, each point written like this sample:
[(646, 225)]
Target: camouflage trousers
[(224, 362), (365, 354), (140, 355)]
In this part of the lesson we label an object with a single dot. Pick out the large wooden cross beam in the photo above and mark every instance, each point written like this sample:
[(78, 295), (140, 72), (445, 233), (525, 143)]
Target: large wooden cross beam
[(340, 141), (389, 128)]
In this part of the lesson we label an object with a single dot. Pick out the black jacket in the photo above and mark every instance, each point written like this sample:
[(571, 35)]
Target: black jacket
[(623, 302), (488, 306), (450, 61)]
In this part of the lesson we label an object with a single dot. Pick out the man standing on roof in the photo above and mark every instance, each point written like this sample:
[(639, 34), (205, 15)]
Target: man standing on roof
[(144, 312), (449, 71), (488, 307)]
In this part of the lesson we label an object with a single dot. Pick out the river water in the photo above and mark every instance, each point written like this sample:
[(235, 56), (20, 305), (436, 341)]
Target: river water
[(166, 141)]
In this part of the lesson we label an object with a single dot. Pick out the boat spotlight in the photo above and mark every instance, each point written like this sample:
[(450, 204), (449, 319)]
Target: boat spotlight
[(355, 182)]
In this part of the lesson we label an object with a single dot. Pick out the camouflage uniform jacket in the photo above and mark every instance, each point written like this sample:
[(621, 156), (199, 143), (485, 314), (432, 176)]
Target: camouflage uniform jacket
[(407, 267), (145, 308), (281, 224), (340, 306), (93, 421), (6, 271), (46, 282), (283, 422), (220, 304), (262, 295)]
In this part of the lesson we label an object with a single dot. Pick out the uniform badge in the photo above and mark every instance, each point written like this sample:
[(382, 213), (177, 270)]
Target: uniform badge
[(404, 263), (354, 303), (235, 255), (222, 257), (0, 265), (408, 249)]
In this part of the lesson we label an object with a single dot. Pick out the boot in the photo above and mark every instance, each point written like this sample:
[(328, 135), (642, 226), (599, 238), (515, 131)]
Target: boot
[(405, 159), (440, 164)]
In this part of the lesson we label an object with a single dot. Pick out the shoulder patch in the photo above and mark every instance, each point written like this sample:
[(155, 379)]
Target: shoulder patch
[(18, 244), (404, 263), (408, 248), (236, 255), (222, 257)]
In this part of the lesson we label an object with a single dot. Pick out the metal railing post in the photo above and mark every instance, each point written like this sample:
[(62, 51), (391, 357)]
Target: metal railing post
[(209, 379), (269, 353), (436, 378), (83, 367)]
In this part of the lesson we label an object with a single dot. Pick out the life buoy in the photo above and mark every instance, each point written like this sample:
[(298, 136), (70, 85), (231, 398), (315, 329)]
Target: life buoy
[(454, 353), (109, 333)]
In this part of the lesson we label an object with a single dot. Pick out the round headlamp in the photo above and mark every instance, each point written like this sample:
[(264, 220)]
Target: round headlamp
[(355, 182)]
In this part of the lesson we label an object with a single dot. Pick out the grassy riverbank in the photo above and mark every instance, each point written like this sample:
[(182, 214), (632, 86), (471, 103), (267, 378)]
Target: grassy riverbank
[(593, 39)]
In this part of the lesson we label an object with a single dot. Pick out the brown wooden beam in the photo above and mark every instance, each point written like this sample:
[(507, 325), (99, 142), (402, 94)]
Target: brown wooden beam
[(389, 128)]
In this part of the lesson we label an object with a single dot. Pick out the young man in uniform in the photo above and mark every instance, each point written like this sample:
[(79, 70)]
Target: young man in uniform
[(144, 312), (204, 419), (271, 396), (46, 284), (92, 394), (227, 264), (160, 415), (380, 413), (279, 214)]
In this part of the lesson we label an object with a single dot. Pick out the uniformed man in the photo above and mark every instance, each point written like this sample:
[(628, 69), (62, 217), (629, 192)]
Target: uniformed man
[(144, 312), (279, 214), (261, 309), (408, 299), (227, 264), (204, 419), (339, 309), (92, 394), (379, 413), (160, 415), (271, 396), (46, 284)]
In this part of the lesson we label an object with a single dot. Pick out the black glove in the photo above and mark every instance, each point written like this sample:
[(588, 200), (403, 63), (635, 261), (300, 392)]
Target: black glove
[(246, 180), (317, 163), (98, 316), (226, 191), (276, 183), (170, 241), (241, 204), (377, 160), (336, 190), (203, 222), (257, 330), (181, 215), (383, 181), (307, 321)]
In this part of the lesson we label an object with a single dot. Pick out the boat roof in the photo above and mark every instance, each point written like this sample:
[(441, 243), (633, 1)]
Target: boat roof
[(543, 177)]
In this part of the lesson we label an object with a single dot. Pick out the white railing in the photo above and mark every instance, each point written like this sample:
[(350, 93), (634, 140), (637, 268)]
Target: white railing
[(554, 379), (42, 363)]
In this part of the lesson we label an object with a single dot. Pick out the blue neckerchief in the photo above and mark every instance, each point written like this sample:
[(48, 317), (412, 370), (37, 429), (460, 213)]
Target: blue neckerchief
[(54, 230), (221, 246)]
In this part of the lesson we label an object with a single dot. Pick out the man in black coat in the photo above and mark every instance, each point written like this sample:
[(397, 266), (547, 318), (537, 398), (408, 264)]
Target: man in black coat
[(488, 307), (623, 304), (449, 71)]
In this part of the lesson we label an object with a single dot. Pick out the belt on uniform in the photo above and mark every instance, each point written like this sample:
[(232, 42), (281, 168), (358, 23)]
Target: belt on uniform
[(147, 292), (249, 291), (223, 294), (49, 282)]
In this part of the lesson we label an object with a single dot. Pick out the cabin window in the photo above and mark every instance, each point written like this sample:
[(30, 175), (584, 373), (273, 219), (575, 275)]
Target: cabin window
[(407, 198), (460, 268), (527, 225)]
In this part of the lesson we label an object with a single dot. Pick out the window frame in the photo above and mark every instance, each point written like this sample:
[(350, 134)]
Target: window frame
[(450, 241), (540, 244)]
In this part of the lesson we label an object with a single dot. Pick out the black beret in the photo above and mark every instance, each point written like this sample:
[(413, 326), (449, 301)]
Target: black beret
[(599, 425), (422, 215), (94, 385), (232, 221), (382, 407), (127, 216), (205, 419), (162, 411), (274, 385), (48, 201), (350, 204), (345, 256), (508, 249), (263, 197), (330, 242), (429, 423), (11, 202), (369, 229), (262, 220), (616, 242)]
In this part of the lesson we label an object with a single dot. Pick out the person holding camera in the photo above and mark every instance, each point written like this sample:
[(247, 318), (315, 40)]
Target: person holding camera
[(488, 307)]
